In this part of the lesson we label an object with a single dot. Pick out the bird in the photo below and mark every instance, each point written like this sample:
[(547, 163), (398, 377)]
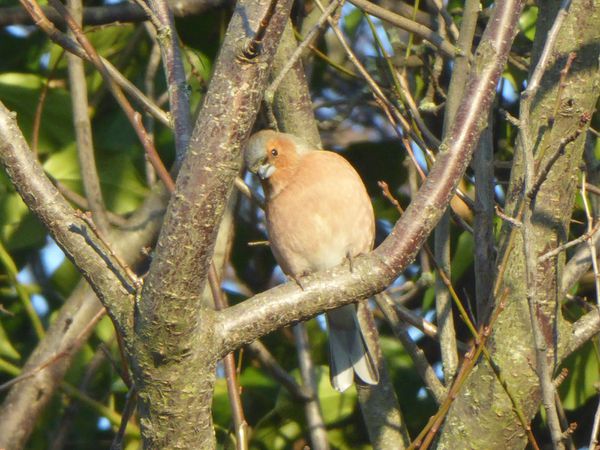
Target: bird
[(318, 215)]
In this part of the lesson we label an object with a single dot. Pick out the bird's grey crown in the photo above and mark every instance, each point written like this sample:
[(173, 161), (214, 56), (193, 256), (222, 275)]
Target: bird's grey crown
[(256, 150)]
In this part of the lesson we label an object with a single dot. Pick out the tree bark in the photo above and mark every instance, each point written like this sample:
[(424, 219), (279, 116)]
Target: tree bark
[(483, 412), (173, 349)]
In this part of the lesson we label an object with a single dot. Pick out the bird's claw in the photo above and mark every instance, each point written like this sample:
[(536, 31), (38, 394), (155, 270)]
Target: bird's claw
[(350, 259), (298, 280)]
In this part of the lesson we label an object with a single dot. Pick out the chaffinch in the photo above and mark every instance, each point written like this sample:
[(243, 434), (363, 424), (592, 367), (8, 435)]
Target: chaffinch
[(318, 214)]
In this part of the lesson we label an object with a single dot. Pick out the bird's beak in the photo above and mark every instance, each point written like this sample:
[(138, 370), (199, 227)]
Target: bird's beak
[(264, 171)]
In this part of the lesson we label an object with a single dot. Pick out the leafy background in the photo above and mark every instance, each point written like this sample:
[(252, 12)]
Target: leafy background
[(86, 411)]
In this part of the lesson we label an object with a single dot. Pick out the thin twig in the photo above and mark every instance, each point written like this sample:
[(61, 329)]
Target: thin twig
[(151, 69), (423, 440), (86, 217), (233, 390), (252, 47), (422, 366), (82, 203), (409, 25), (476, 335), (531, 186), (308, 39), (83, 131), (128, 409), (586, 237), (516, 223), (312, 407), (37, 118), (270, 364), (71, 46), (179, 101), (54, 358), (12, 272), (133, 116)]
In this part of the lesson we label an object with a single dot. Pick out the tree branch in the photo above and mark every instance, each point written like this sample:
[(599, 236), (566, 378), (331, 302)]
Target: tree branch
[(326, 290), (26, 401), (70, 232), (409, 25), (102, 15), (173, 344)]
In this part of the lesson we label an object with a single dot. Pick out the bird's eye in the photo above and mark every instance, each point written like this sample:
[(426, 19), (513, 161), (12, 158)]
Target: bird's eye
[(274, 152)]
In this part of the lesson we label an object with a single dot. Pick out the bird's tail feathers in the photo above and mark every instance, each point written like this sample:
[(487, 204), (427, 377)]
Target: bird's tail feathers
[(348, 352)]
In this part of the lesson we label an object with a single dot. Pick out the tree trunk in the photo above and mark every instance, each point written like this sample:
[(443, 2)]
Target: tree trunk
[(483, 414)]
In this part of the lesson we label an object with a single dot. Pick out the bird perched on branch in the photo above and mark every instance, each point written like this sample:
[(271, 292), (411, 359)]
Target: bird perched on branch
[(318, 215)]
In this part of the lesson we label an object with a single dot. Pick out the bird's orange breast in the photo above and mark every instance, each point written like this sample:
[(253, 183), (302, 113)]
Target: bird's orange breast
[(322, 215)]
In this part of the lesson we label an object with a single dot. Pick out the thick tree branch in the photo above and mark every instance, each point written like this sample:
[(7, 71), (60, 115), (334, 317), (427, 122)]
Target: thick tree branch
[(513, 351), (372, 273), (173, 65), (109, 281), (102, 15), (422, 31), (27, 400), (173, 344)]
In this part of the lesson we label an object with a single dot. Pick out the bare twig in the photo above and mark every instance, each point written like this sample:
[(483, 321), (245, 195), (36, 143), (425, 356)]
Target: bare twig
[(54, 358), (135, 280), (531, 186), (83, 130), (586, 237), (516, 223), (270, 364), (128, 409), (152, 67), (307, 41), (233, 390), (423, 440), (406, 24), (176, 80), (422, 366), (37, 118), (595, 436), (132, 115), (312, 407), (71, 46), (111, 13), (12, 272), (82, 203), (252, 47)]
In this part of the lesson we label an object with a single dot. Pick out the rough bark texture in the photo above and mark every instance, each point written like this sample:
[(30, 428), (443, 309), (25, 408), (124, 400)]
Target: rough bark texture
[(26, 400), (482, 414), (174, 352), (371, 273), (292, 106)]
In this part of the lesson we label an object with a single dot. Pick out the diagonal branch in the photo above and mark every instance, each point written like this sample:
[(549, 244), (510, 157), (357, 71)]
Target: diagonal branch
[(372, 273), (69, 231)]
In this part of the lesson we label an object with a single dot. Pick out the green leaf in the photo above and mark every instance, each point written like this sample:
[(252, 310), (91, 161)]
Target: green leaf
[(528, 22), (352, 20), (122, 185), (105, 330), (220, 406), (581, 384), (20, 92), (335, 406), (428, 298), (6, 347), (19, 229), (463, 256)]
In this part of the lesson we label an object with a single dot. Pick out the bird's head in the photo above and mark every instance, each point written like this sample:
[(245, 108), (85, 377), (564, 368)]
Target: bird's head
[(271, 155)]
